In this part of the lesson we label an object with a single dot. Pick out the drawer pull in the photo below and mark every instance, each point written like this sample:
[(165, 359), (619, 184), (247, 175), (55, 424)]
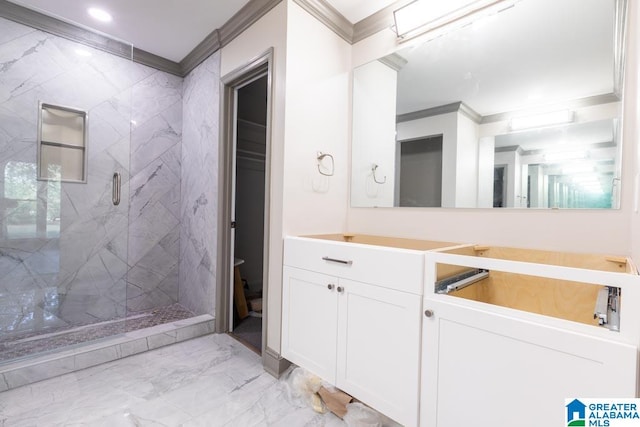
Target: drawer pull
[(330, 286), (340, 289), (339, 261)]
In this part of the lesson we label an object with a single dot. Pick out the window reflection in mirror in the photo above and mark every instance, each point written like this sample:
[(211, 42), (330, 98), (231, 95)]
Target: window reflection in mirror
[(527, 101)]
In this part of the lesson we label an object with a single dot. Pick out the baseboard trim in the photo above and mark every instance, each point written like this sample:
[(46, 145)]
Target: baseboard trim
[(273, 363)]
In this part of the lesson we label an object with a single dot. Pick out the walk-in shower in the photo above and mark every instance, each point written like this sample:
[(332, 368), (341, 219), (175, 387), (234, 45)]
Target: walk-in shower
[(90, 177)]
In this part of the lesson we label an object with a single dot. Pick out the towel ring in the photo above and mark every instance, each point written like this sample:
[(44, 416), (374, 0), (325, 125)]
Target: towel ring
[(375, 179), (321, 157)]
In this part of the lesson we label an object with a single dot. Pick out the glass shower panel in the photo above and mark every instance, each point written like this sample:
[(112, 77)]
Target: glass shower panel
[(63, 245)]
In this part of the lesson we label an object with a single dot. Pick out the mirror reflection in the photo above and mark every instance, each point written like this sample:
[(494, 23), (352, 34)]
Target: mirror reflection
[(518, 109)]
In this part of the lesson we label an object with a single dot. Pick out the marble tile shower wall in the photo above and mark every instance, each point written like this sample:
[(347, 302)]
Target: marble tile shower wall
[(63, 250), (200, 192), (154, 212)]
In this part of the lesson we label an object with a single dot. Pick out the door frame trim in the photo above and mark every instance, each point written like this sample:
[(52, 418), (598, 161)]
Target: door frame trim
[(241, 76)]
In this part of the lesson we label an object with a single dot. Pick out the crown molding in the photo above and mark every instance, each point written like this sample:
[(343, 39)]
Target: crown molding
[(377, 22), (217, 39), (202, 51), (245, 17), (329, 16), (352, 33), (394, 61), (470, 113), (589, 101), (429, 112), (221, 37), (158, 62)]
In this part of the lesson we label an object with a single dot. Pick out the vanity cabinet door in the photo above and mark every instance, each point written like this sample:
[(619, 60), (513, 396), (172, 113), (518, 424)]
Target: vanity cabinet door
[(379, 348), (487, 367), (310, 321)]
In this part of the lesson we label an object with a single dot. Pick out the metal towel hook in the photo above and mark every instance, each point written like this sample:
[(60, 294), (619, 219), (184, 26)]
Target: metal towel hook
[(331, 169), (373, 172)]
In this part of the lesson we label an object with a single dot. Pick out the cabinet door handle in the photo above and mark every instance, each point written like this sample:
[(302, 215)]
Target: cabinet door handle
[(339, 261), (330, 286), (428, 313), (340, 289)]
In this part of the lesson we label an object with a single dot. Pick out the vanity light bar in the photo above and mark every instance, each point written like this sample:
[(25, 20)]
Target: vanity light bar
[(541, 120), (423, 16)]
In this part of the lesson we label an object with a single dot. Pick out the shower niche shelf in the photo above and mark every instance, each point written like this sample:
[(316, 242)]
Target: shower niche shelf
[(62, 143)]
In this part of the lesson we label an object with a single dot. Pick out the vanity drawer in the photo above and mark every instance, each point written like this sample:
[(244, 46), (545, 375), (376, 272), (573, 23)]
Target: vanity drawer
[(392, 268)]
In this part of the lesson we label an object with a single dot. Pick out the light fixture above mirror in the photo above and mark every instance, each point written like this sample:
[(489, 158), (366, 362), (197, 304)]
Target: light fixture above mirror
[(423, 16)]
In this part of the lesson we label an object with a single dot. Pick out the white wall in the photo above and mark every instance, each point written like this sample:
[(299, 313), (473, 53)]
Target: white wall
[(374, 123), (466, 164), (310, 113), (317, 119), (575, 230), (537, 176), (486, 157)]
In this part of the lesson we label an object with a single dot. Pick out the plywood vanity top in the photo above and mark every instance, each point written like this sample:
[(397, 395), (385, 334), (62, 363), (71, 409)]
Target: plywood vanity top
[(617, 264), (393, 242)]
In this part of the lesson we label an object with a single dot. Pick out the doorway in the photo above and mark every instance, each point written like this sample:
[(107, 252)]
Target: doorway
[(248, 208), (244, 203), (420, 183), (500, 186)]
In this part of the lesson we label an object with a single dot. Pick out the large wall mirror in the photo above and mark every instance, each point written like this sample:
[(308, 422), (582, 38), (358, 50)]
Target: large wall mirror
[(521, 109)]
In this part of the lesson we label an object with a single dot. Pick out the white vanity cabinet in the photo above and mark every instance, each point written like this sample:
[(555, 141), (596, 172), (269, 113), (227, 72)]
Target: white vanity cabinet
[(352, 316), (510, 367)]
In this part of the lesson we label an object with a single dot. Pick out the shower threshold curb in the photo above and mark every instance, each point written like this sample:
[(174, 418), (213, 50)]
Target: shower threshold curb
[(28, 371)]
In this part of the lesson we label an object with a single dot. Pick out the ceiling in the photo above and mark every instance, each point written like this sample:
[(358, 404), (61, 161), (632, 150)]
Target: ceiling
[(170, 28)]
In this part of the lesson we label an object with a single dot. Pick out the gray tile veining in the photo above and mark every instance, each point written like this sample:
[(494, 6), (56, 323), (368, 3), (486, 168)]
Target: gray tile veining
[(207, 381), (155, 194), (199, 186)]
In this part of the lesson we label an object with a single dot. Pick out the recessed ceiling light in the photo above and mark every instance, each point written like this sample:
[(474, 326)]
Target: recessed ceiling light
[(83, 52), (99, 14)]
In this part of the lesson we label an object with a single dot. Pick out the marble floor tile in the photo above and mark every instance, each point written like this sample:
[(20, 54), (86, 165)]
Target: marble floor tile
[(208, 381)]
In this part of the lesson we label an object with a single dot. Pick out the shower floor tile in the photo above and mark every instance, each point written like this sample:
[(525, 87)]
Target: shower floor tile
[(26, 344)]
